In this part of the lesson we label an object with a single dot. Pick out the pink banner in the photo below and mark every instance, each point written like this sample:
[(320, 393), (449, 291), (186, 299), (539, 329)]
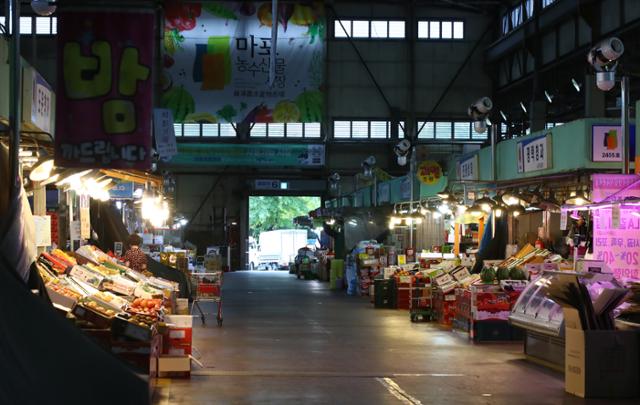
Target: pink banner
[(105, 89), (618, 246)]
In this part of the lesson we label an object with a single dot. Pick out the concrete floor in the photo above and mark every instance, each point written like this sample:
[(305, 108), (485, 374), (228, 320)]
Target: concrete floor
[(287, 341)]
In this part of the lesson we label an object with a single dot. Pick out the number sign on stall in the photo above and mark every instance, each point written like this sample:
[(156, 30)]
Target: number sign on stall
[(534, 154)]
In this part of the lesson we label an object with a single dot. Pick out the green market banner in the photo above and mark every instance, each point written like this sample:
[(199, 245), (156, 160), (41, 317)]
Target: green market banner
[(252, 155), (217, 58)]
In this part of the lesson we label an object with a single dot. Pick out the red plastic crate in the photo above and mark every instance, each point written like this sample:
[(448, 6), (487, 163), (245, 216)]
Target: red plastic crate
[(209, 289), (176, 349)]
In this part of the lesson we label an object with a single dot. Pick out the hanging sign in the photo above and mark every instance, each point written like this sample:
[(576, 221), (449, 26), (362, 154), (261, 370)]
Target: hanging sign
[(429, 172), (43, 230), (405, 188), (563, 220), (104, 96), (384, 193), (164, 133), (217, 58), (534, 154), (251, 155), (122, 190), (85, 218), (468, 168), (268, 184), (617, 246)]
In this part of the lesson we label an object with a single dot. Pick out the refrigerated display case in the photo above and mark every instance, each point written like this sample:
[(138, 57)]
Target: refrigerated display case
[(542, 318)]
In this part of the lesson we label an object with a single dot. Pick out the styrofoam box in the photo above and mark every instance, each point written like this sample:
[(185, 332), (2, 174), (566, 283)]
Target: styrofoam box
[(174, 363), (179, 321)]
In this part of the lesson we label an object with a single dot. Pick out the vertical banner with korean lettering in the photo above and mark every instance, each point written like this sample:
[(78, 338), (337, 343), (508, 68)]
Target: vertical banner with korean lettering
[(105, 88), (617, 244), (217, 59)]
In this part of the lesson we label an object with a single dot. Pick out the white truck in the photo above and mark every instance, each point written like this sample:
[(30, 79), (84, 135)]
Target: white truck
[(276, 249)]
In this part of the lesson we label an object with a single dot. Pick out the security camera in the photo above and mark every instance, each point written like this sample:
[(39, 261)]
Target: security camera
[(370, 161), (478, 112), (43, 8), (605, 54), (604, 59), (402, 150), (480, 109)]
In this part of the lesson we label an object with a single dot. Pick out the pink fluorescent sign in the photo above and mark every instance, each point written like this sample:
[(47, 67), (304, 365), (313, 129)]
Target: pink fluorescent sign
[(619, 247)]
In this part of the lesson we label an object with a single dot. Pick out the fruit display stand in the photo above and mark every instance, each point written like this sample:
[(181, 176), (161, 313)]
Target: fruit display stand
[(121, 310), (462, 317), (491, 306), (368, 268)]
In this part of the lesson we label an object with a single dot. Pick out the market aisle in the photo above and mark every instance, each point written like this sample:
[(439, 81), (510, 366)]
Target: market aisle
[(290, 341)]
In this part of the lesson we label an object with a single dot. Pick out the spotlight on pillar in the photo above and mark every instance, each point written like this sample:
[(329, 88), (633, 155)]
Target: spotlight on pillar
[(479, 112), (576, 85), (523, 107), (604, 59)]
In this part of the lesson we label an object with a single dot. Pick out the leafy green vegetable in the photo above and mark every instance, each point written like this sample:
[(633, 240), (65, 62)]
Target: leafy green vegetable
[(219, 10), (227, 113)]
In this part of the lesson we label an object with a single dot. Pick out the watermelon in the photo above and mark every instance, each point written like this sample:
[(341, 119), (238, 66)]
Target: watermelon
[(503, 273), (488, 275), (517, 274)]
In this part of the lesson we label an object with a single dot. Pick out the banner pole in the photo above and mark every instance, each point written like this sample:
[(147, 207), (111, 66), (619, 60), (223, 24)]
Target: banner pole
[(274, 42)]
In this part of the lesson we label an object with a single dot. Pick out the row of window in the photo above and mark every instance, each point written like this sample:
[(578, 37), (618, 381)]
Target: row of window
[(395, 29), (33, 25), (517, 15), (369, 29), (259, 130), (345, 129), (450, 130), (365, 129)]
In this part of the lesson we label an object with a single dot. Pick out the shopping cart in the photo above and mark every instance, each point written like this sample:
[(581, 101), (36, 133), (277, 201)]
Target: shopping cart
[(207, 288), (420, 302)]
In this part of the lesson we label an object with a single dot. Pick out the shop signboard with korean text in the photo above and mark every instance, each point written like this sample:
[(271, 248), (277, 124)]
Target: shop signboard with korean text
[(122, 190), (38, 101), (534, 154), (104, 93), (217, 62), (468, 168), (429, 172), (617, 244), (250, 155)]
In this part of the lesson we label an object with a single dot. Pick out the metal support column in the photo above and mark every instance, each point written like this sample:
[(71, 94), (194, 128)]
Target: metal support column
[(14, 94), (625, 125)]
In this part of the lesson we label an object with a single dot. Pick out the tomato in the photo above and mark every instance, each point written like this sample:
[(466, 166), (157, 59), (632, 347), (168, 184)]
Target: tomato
[(181, 15)]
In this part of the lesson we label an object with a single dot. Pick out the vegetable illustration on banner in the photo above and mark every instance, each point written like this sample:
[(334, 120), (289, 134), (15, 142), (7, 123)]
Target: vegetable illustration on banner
[(217, 59), (103, 114)]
